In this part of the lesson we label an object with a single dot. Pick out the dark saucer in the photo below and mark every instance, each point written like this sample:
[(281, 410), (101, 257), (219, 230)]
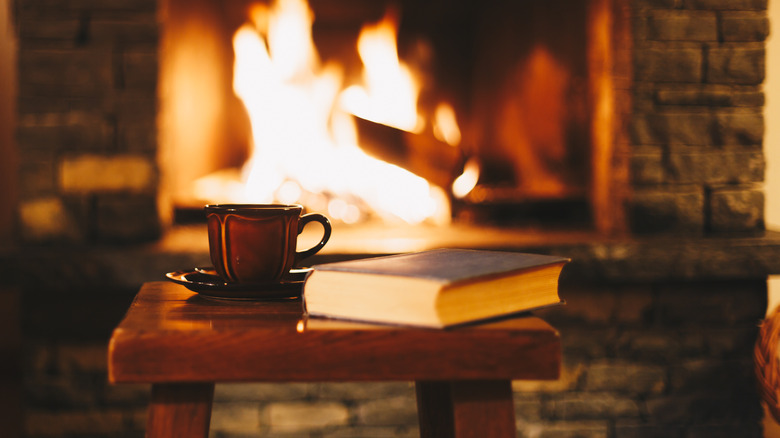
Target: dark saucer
[(207, 283)]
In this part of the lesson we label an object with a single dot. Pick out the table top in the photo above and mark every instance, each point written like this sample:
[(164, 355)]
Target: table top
[(171, 334)]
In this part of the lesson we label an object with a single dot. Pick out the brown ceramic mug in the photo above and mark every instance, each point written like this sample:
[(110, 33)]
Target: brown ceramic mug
[(256, 243)]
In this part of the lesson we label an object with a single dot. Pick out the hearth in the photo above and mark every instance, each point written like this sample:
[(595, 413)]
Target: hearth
[(536, 94)]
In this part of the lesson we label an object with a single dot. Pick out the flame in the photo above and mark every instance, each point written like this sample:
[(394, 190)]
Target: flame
[(467, 181), (390, 93), (305, 147), (445, 125)]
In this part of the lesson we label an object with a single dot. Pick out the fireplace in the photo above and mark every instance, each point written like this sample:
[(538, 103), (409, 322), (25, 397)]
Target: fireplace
[(662, 216), (538, 110), (671, 148)]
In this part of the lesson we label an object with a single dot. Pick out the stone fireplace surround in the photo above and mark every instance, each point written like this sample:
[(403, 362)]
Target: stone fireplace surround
[(88, 99), (659, 325)]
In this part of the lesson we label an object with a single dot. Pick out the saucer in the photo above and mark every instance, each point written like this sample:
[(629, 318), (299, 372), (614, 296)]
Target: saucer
[(206, 282)]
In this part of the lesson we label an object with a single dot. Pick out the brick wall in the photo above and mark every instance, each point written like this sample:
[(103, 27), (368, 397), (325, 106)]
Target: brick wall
[(87, 120), (697, 127)]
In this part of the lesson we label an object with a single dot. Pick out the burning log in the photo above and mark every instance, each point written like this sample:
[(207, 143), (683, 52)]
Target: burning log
[(420, 153)]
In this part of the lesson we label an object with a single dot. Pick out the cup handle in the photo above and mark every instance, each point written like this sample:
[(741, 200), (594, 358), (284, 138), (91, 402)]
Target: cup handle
[(305, 219)]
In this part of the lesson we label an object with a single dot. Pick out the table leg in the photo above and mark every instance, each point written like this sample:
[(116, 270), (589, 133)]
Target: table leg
[(466, 409), (180, 409)]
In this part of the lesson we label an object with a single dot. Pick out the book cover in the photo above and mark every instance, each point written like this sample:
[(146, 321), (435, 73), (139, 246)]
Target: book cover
[(436, 288), (446, 265)]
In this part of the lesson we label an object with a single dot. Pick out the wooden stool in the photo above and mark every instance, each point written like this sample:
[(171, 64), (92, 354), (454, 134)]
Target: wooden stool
[(183, 344)]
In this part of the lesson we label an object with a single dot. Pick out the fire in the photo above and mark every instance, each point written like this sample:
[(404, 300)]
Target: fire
[(390, 93), (445, 125), (467, 181), (305, 147)]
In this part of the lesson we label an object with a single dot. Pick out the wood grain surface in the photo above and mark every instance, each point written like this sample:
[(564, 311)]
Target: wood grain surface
[(180, 410), (466, 409), (171, 334)]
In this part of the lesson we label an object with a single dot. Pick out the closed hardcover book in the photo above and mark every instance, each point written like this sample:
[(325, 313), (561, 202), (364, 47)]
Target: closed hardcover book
[(438, 288)]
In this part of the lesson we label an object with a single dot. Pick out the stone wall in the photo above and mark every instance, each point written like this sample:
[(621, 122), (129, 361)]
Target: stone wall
[(697, 127), (87, 120), (665, 359)]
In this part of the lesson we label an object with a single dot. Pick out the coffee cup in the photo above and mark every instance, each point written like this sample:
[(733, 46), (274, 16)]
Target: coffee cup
[(256, 243)]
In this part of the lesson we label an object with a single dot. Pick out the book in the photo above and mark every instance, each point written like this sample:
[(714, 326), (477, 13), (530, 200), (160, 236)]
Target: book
[(437, 288)]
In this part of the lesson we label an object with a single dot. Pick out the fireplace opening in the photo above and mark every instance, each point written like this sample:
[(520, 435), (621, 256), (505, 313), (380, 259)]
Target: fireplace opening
[(515, 119)]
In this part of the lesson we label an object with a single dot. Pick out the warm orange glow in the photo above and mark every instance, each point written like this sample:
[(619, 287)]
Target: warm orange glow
[(603, 113), (389, 94), (465, 183), (305, 148), (445, 125), (532, 118), (191, 123)]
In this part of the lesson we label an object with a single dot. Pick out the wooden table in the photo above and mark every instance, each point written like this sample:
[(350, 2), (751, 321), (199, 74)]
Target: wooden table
[(183, 344)]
